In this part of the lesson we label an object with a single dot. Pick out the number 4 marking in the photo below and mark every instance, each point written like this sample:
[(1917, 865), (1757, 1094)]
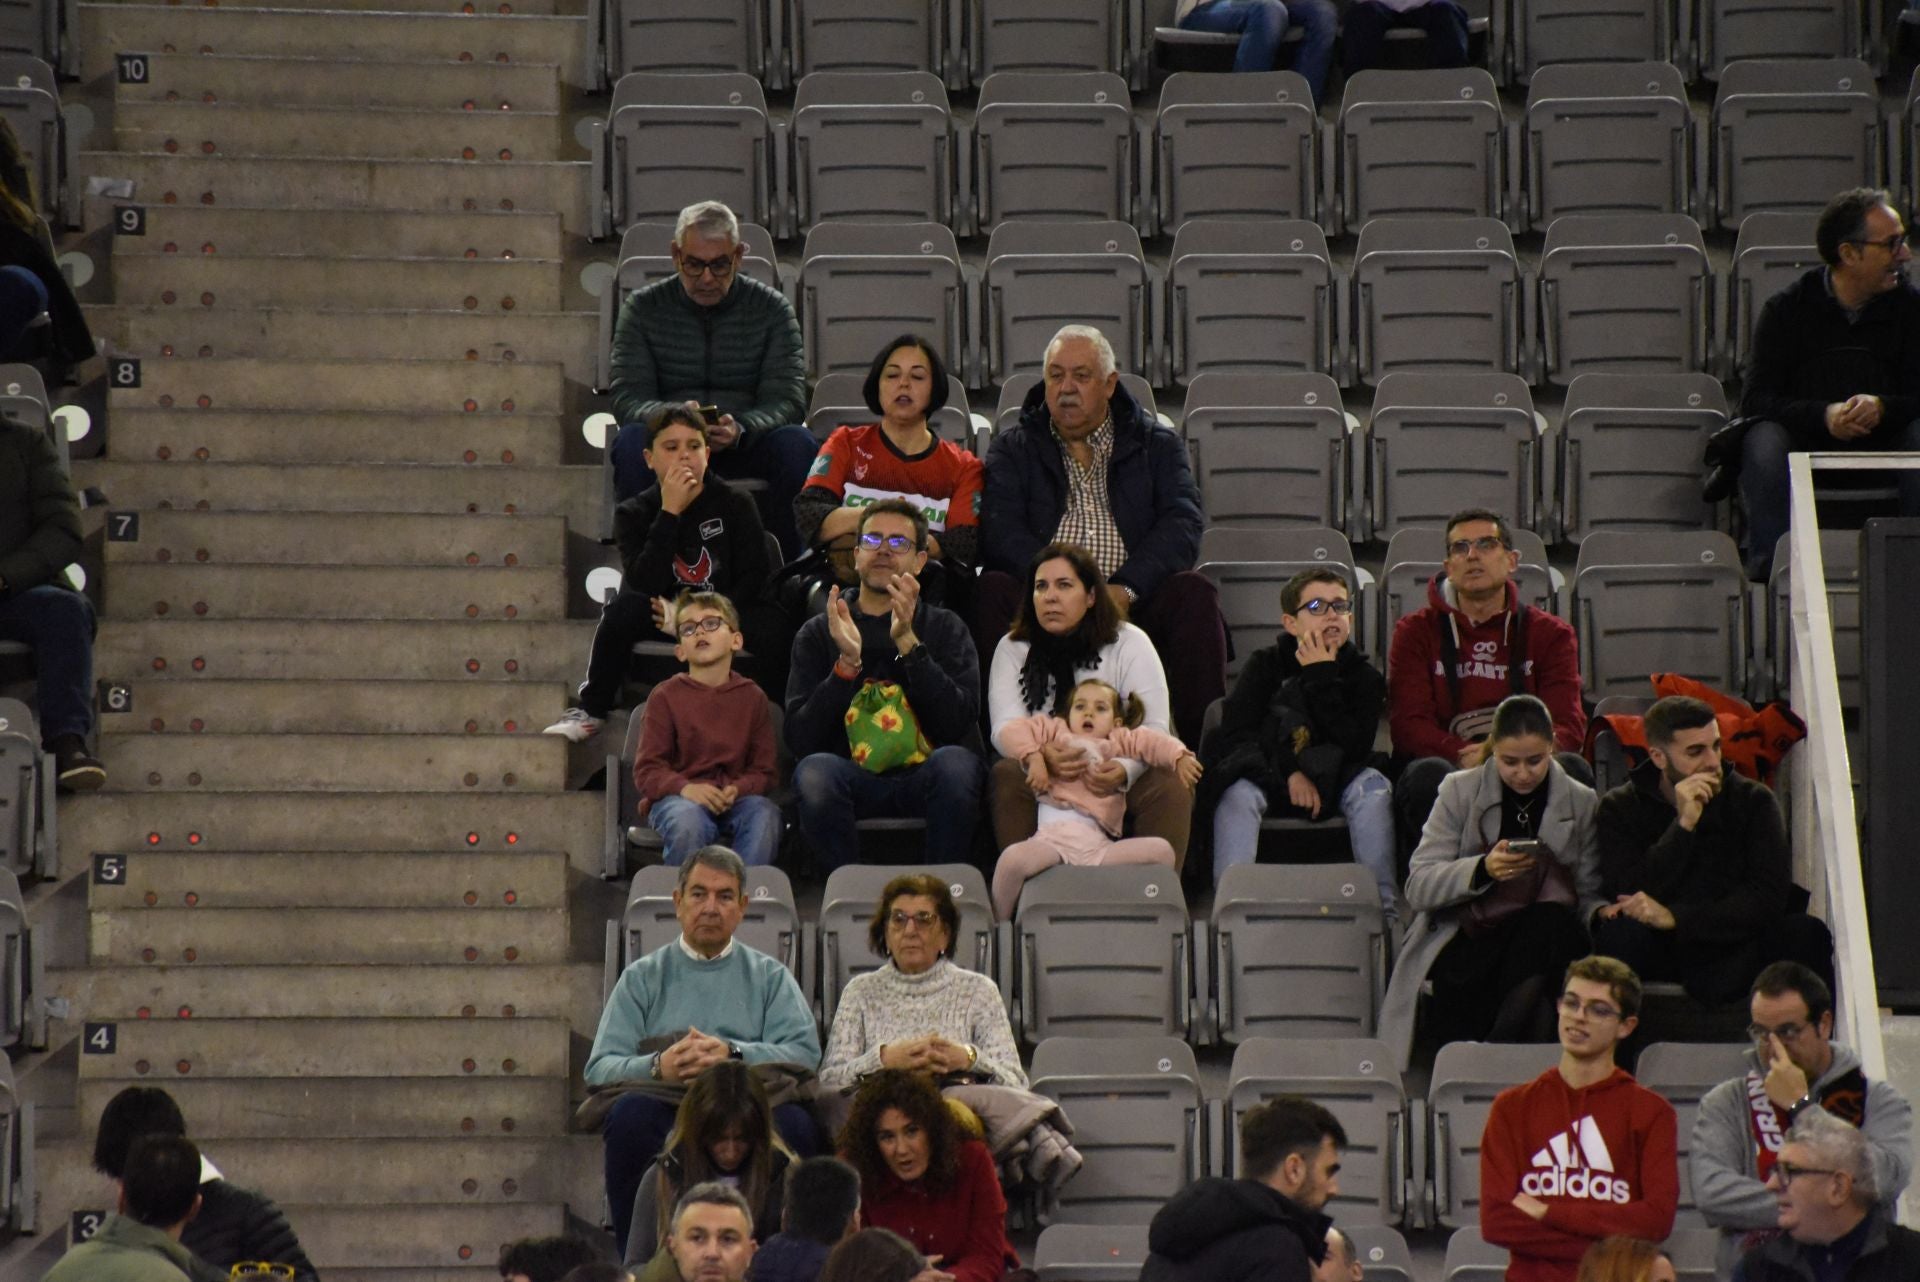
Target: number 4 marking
[(99, 1039)]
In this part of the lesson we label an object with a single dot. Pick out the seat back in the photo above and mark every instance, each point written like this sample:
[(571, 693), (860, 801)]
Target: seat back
[(671, 134), (15, 965), (1840, 562), (25, 803), (1421, 144), (1038, 274), (1053, 146), (863, 285), (1138, 1122), (30, 103), (1628, 452), (1730, 31), (1102, 951), (1381, 1252), (1269, 449), (873, 146), (1250, 297), (847, 905), (1611, 763), (671, 36), (1682, 1073), (1471, 1258), (858, 35), (1787, 135), (23, 399), (1415, 554), (1437, 443), (1466, 1077), (1694, 1251), (1608, 138), (1044, 36), (1237, 145), (1250, 566), (1669, 602), (1624, 294), (17, 1188), (1435, 295), (30, 28), (1299, 951), (1090, 1252), (1546, 32), (771, 923), (1770, 253), (840, 400)]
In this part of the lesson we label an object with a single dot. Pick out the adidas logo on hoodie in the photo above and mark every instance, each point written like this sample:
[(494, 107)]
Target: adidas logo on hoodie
[(1576, 1163)]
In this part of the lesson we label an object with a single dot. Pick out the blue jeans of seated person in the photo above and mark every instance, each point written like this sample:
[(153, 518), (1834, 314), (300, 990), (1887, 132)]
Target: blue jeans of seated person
[(1364, 33), (1262, 26), (1764, 482), (944, 790), (59, 625), (636, 1131), (780, 456), (750, 826), (1366, 803)]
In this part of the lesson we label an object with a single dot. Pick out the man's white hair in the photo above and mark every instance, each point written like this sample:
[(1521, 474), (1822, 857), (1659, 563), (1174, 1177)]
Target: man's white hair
[(710, 219), (1102, 348), (1837, 1146)]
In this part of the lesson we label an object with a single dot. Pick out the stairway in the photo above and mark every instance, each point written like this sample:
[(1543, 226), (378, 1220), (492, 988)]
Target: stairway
[(355, 926)]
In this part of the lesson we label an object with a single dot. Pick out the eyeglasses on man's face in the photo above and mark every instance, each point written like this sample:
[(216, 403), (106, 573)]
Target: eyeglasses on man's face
[(1570, 1004), (1322, 606), (1485, 543), (694, 268), (1889, 244), (892, 542), (711, 623), (1788, 1172)]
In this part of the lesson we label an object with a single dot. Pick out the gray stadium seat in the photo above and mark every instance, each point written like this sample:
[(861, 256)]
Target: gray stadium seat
[(1237, 146), (1042, 275), (1090, 1252), (1421, 143), (1437, 443), (1840, 560), (771, 923), (1787, 135), (1054, 145), (1299, 952), (1624, 294), (839, 400), (1670, 602), (1681, 1073), (1547, 32), (17, 966), (1382, 1252), (1606, 138), (1250, 566), (864, 284), (1611, 763), (646, 256), (846, 907), (686, 36), (873, 146), (1435, 294), (1269, 449), (1770, 253), (1250, 297), (1694, 1251), (31, 28), (23, 398), (671, 135), (1732, 30), (1043, 36), (1466, 1077), (1413, 556), (28, 835), (1138, 1119), (30, 102), (18, 1188), (1471, 1258), (1627, 452), (1354, 1079), (1103, 952), (862, 35)]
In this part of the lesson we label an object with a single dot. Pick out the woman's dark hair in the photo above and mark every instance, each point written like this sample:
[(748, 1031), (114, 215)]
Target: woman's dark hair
[(919, 883), (724, 1098), (1053, 663), (915, 1095), (1521, 714), (597, 1271), (19, 203), (873, 1255), (134, 1112), (936, 368), (545, 1259)]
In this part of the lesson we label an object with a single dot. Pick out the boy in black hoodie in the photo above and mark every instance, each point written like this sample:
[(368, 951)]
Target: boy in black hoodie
[(1297, 732), (1266, 1226)]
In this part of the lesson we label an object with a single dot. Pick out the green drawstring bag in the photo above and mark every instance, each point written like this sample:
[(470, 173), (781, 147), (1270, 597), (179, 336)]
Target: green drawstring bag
[(882, 732)]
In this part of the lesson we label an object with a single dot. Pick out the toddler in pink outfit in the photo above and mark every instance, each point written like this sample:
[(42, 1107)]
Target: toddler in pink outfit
[(1077, 825)]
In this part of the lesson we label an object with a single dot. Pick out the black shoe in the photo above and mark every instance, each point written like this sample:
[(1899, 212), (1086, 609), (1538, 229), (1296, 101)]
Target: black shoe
[(76, 770)]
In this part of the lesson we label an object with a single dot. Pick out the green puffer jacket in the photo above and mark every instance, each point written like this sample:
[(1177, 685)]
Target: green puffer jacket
[(743, 355), (124, 1251), (39, 516)]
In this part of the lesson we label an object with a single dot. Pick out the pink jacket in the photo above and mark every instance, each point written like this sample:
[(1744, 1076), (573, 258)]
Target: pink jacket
[(1027, 735)]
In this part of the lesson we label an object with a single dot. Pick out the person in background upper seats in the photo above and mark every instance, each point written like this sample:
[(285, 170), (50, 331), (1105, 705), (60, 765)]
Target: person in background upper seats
[(544, 1259), (597, 1271), (898, 457), (1341, 1262), (1087, 465), (31, 282), (712, 1237), (879, 1255), (1794, 1068), (1451, 663), (1625, 1259), (1834, 364), (822, 1210), (1365, 23), (1262, 28), (140, 1241), (1832, 1225), (709, 336)]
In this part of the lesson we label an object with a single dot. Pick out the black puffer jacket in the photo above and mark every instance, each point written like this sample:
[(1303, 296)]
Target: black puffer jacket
[(1319, 719), (237, 1225), (786, 1257), (1889, 1253), (1234, 1231), (39, 516)]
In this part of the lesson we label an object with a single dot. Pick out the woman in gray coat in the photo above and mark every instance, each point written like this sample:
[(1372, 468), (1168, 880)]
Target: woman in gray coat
[(1504, 880)]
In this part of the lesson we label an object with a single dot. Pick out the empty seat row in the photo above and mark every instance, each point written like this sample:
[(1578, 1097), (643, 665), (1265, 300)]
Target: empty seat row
[(1702, 36), (30, 104)]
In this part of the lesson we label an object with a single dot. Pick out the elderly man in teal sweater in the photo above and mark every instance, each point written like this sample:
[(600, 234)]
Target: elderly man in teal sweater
[(687, 1006)]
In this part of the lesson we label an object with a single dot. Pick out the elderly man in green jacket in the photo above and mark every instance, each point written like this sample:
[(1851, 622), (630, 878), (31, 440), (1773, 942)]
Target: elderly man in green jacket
[(159, 1193), (709, 337)]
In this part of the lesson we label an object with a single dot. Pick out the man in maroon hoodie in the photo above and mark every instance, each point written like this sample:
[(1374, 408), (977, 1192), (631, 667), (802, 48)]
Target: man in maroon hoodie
[(1452, 663), (1582, 1151), (706, 755)]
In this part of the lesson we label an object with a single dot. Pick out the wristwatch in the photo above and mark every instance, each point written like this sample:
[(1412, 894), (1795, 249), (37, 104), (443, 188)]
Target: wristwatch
[(1801, 1105), (653, 1069), (734, 1051)]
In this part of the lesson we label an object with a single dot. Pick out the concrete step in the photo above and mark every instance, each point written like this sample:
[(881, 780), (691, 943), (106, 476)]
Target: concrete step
[(189, 229), (327, 992), (339, 436), (336, 592), (366, 1238), (306, 936), (333, 762), (556, 186), (237, 128), (481, 7), (343, 1107), (343, 707), (447, 1050), (345, 538), (477, 654), (341, 879), (255, 382), (488, 86), (290, 280), (572, 492), (107, 29)]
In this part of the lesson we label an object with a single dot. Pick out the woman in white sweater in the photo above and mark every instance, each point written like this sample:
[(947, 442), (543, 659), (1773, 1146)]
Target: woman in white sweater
[(919, 1010)]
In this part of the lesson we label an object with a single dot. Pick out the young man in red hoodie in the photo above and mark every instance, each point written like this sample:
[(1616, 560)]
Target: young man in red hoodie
[(706, 759), (1582, 1151)]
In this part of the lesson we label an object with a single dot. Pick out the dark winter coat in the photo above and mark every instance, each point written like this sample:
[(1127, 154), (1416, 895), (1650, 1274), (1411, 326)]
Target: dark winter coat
[(39, 516), (1807, 354), (717, 543), (1280, 717), (1219, 1230), (1890, 1253), (237, 1225)]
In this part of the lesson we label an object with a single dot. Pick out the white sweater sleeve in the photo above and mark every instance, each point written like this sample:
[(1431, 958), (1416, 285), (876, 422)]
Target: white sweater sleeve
[(1004, 701)]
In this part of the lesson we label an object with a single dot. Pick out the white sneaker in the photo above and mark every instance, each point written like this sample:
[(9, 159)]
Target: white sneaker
[(576, 725)]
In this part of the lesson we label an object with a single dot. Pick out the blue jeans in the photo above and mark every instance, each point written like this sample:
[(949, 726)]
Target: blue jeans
[(1764, 482), (1366, 803), (944, 790), (59, 625), (1262, 24), (751, 826), (780, 456)]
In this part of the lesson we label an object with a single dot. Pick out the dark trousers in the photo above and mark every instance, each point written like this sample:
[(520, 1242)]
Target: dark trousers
[(59, 625), (1717, 973), (779, 456), (636, 1131), (628, 619), (1765, 482), (23, 297), (1418, 787), (834, 793), (1182, 618), (1501, 985), (1363, 33)]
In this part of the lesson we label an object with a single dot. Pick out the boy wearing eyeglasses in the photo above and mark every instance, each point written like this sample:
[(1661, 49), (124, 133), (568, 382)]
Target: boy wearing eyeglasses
[(1583, 1151), (706, 759), (1296, 735)]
